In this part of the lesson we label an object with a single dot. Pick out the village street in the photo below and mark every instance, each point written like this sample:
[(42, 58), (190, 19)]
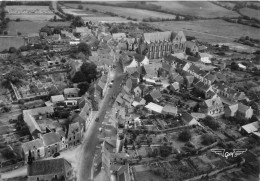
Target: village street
[(90, 139)]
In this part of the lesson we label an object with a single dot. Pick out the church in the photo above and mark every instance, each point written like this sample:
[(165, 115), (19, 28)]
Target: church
[(159, 44)]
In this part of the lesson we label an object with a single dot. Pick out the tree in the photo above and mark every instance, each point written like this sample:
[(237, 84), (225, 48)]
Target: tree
[(53, 91), (5, 33), (83, 88), (12, 50), (210, 122), (84, 48), (46, 29), (80, 6), (54, 18), (185, 135), (79, 77), (56, 30), (89, 69), (207, 139), (19, 33), (17, 20), (234, 66), (77, 22), (15, 76), (165, 150)]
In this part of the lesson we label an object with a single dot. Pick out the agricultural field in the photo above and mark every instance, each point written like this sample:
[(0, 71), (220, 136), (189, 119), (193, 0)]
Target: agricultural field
[(25, 27), (214, 31), (33, 13), (83, 13), (229, 5), (106, 19), (28, 17), (139, 14), (7, 42), (252, 13), (196, 8)]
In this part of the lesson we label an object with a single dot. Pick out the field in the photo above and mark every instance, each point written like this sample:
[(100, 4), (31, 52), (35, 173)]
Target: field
[(227, 4), (36, 13), (11, 42), (215, 31), (35, 17), (126, 12), (25, 27), (252, 13), (196, 8), (82, 13)]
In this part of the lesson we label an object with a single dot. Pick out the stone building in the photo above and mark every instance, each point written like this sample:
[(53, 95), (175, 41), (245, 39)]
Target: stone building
[(160, 44)]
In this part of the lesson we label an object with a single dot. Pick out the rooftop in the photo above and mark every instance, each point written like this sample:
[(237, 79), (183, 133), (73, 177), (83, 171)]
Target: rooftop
[(48, 167)]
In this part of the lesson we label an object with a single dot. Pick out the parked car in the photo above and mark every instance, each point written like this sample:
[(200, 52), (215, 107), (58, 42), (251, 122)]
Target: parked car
[(56, 155)]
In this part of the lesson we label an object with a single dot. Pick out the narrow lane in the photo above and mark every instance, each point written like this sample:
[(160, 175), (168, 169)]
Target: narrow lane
[(90, 138)]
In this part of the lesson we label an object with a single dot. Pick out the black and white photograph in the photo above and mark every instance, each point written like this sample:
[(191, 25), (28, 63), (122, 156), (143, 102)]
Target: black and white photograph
[(124, 90)]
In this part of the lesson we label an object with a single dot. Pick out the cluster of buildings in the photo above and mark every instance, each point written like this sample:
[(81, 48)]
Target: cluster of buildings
[(165, 92), (160, 97)]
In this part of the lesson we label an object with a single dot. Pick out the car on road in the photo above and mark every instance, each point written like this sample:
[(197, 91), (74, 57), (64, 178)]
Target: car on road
[(56, 154)]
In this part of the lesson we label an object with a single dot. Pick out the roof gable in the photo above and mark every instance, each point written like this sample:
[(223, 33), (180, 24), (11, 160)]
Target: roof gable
[(49, 167), (50, 138)]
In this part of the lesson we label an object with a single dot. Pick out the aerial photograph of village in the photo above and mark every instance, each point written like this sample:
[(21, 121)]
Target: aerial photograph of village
[(129, 90)]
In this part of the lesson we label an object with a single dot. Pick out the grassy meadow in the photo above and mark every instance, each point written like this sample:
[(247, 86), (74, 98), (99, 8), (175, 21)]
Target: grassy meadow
[(139, 14)]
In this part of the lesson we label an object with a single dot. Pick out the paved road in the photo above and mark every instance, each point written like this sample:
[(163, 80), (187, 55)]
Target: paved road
[(90, 138)]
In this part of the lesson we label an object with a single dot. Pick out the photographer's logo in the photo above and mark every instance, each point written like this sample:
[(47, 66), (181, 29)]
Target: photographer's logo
[(226, 154)]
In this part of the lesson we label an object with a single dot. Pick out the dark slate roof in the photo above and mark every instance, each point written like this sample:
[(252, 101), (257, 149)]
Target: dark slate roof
[(50, 138), (49, 167), (190, 44), (129, 83), (156, 94), (139, 58), (166, 66), (187, 117)]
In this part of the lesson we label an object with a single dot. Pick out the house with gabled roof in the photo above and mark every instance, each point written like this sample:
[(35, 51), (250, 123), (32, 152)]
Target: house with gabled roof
[(118, 36), (57, 98), (191, 48), (71, 93), (36, 147), (74, 134), (239, 111), (251, 127), (228, 93), (137, 91), (212, 107), (188, 119), (52, 143), (154, 95), (138, 101), (170, 110), (31, 115), (48, 170), (175, 86), (188, 81)]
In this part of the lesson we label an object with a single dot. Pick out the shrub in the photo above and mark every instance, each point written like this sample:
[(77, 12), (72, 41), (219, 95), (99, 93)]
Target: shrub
[(185, 135), (80, 6), (210, 122), (207, 139)]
